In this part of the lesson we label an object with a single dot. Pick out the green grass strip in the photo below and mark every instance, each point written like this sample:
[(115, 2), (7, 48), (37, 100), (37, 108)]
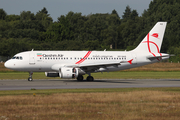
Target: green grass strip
[(105, 75)]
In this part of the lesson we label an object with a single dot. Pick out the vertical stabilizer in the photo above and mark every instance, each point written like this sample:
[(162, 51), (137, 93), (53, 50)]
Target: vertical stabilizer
[(153, 40)]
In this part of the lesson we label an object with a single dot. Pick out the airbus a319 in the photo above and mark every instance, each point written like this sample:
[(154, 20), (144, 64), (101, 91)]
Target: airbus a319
[(75, 64)]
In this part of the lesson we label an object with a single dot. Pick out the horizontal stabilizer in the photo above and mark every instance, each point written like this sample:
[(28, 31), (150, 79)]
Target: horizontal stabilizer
[(158, 57)]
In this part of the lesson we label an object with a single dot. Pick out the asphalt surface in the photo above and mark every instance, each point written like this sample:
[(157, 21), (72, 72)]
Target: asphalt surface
[(73, 84)]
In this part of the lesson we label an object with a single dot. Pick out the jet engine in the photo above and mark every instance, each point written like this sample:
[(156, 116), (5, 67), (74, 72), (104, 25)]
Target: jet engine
[(67, 72)]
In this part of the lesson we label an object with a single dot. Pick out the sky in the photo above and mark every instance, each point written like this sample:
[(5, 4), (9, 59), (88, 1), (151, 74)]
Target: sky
[(56, 8)]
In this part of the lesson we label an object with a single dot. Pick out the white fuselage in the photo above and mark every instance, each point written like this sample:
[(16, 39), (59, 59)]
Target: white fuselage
[(45, 61)]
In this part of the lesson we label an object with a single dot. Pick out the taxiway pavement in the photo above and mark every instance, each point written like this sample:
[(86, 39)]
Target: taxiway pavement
[(73, 84)]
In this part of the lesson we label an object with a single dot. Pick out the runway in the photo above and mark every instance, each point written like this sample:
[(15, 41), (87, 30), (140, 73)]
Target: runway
[(73, 84)]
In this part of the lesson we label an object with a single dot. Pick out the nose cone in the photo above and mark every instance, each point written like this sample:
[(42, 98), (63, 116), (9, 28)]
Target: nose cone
[(7, 64)]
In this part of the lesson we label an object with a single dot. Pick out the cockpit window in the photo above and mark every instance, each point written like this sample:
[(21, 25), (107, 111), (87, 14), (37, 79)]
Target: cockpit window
[(13, 57), (17, 57)]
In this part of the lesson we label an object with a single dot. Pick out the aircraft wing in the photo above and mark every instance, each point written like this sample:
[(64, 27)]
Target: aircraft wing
[(89, 66), (99, 65)]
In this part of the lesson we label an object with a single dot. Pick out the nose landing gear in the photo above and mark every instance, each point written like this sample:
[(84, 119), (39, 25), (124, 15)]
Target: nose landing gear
[(30, 76)]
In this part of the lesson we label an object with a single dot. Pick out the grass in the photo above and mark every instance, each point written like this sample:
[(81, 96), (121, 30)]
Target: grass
[(96, 104), (111, 75)]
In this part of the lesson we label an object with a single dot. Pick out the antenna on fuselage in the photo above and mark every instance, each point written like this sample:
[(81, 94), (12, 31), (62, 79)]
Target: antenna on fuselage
[(32, 49)]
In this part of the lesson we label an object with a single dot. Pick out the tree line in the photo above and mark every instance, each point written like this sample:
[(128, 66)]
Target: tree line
[(75, 31)]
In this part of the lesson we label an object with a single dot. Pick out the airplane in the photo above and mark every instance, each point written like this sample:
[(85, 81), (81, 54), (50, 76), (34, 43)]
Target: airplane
[(75, 64)]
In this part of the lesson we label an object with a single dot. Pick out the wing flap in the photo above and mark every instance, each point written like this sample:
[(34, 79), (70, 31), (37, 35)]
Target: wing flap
[(95, 65)]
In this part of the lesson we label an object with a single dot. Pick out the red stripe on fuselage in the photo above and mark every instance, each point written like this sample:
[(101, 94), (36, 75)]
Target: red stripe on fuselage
[(84, 58)]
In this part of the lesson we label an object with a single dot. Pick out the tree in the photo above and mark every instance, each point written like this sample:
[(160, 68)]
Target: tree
[(133, 14), (127, 13), (44, 17), (115, 13), (27, 15), (44, 10), (2, 14), (12, 18)]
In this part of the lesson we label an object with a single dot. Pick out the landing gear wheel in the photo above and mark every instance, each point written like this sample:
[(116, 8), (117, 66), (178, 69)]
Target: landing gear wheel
[(90, 78), (80, 78), (30, 79), (30, 76)]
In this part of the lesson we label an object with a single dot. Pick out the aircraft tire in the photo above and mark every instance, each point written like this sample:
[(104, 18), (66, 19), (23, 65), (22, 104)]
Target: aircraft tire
[(80, 78), (30, 79), (90, 78)]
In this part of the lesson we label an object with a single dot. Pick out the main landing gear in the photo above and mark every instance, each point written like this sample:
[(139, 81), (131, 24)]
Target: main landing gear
[(90, 78), (81, 78), (30, 76)]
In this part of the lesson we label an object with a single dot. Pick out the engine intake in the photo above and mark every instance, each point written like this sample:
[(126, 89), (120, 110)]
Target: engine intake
[(68, 73)]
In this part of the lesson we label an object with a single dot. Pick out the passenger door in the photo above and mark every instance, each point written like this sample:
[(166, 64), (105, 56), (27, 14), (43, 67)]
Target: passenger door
[(32, 58)]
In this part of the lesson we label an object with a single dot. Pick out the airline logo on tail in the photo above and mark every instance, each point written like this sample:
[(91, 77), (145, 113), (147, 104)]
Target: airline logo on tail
[(156, 35)]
